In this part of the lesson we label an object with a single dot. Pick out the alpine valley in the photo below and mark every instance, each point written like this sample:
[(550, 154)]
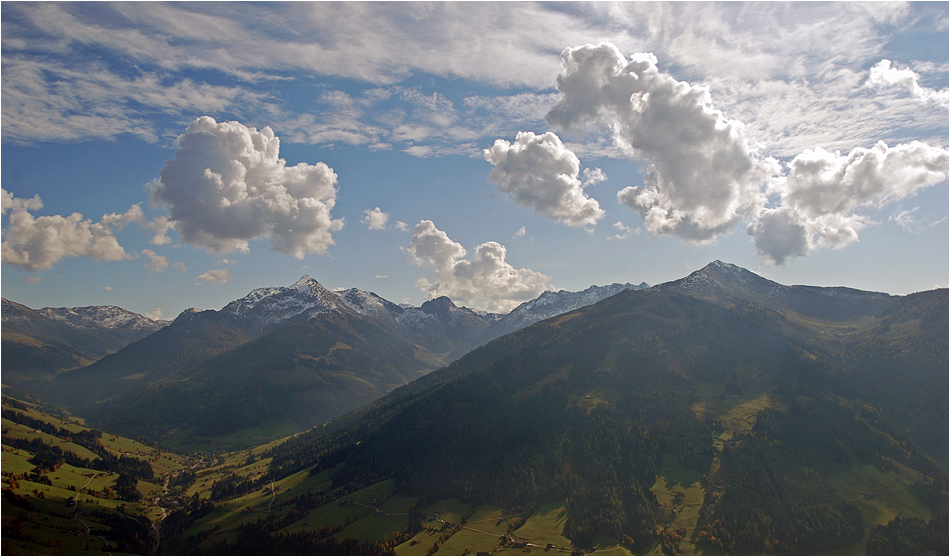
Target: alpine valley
[(718, 413)]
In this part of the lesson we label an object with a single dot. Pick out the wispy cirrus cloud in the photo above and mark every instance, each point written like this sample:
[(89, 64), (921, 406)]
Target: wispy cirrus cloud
[(791, 73)]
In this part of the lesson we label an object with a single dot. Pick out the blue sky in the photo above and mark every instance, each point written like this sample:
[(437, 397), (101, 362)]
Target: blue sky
[(166, 156)]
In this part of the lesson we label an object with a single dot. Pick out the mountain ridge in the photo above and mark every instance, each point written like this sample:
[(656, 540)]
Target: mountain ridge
[(779, 414)]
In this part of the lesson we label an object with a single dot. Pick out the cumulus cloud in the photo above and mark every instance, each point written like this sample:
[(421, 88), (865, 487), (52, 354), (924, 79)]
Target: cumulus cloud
[(155, 315), (33, 280), (593, 176), (227, 186), (402, 226), (160, 227), (539, 172), (702, 178), (521, 232), (823, 192), (882, 75), (821, 183), (108, 289), (37, 243), (489, 278), (158, 263), (216, 276), (121, 220), (779, 235), (180, 266), (375, 219)]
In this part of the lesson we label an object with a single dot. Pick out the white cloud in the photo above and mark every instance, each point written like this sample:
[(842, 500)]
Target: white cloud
[(158, 263), (702, 177), (907, 220), (108, 289), (521, 232), (823, 192), (489, 278), (37, 243), (779, 235), (155, 315), (55, 100), (375, 219), (593, 176), (539, 172), (338, 118), (120, 221), (882, 75), (216, 276), (382, 276), (624, 232), (821, 183), (33, 280), (402, 226), (790, 71), (227, 185), (180, 266), (160, 227), (15, 204)]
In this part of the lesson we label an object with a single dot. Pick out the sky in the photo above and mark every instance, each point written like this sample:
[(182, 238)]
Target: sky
[(160, 156)]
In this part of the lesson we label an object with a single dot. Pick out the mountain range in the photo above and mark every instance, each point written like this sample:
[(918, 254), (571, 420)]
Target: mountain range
[(183, 353), (717, 413), (801, 412), (39, 344)]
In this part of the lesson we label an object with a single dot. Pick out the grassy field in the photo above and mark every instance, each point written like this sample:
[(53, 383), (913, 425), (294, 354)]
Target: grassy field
[(680, 494), (737, 414), (223, 522), (483, 532), (879, 496), (58, 518), (15, 461), (19, 431)]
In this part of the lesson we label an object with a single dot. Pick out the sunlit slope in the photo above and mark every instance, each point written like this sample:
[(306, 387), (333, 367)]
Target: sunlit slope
[(71, 490)]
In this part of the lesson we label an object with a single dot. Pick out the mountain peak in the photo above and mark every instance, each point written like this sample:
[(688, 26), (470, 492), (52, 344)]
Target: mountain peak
[(435, 304), (720, 267), (273, 305), (719, 278)]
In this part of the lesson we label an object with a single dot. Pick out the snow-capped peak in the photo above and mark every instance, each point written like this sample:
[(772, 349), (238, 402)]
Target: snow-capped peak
[(110, 317), (87, 317), (272, 305)]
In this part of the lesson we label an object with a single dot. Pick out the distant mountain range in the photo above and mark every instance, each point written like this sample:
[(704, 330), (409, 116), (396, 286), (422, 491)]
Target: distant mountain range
[(38, 344), (155, 354)]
